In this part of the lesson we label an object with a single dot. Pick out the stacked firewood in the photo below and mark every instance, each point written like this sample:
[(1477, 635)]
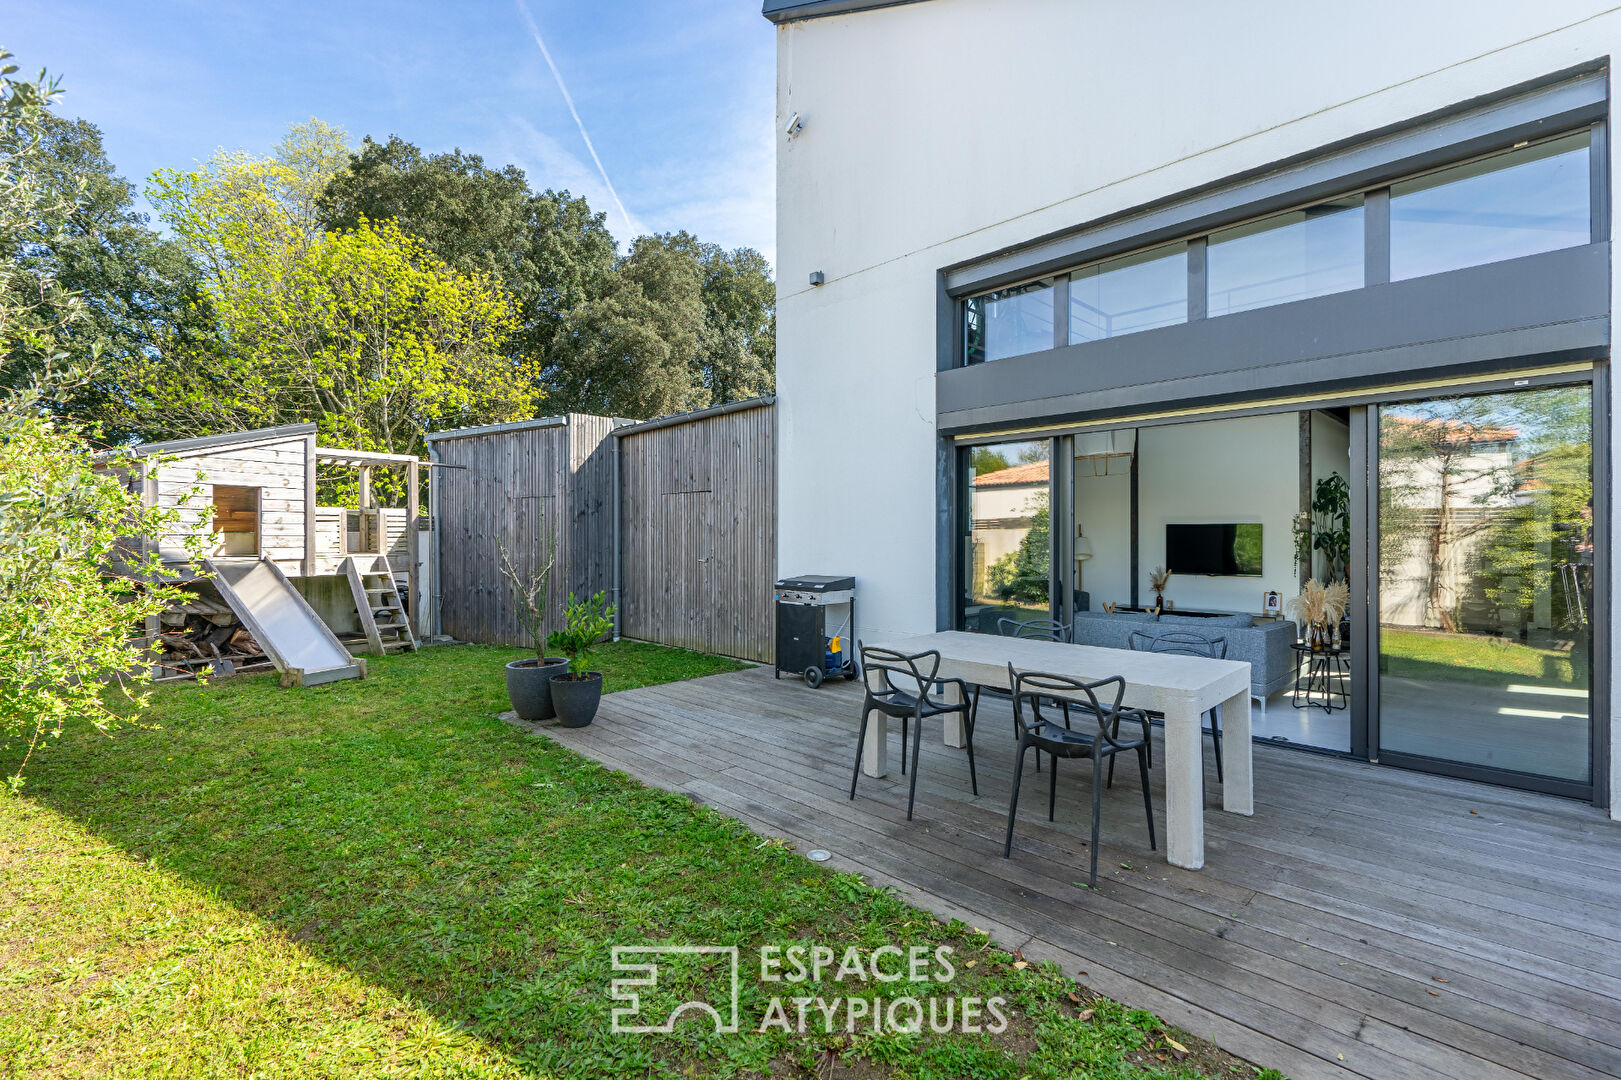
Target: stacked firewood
[(203, 633)]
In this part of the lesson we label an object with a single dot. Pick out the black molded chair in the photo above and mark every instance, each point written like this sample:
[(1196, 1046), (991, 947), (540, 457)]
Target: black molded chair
[(909, 700), (1030, 690), (1033, 629), (1187, 643), (1036, 630)]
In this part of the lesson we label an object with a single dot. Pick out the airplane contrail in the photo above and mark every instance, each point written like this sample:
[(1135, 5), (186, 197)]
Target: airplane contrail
[(534, 31)]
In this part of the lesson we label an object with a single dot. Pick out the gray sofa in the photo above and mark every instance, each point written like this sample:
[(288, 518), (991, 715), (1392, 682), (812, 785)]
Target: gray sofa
[(1265, 645)]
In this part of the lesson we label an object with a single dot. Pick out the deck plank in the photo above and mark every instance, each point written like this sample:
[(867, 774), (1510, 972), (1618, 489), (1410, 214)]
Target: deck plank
[(1315, 938)]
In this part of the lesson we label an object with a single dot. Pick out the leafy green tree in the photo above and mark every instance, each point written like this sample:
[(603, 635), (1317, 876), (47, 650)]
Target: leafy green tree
[(631, 353), (1024, 573), (365, 332), (548, 249), (988, 460), (139, 291), (608, 332), (67, 518)]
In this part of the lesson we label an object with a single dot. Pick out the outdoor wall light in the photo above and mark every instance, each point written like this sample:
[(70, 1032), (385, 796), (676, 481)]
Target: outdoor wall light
[(818, 278), (794, 126)]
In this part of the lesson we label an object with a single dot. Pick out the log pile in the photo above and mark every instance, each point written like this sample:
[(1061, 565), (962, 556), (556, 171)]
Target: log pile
[(203, 634)]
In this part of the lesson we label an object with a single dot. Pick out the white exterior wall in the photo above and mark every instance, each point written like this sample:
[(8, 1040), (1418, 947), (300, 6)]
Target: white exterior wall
[(938, 132)]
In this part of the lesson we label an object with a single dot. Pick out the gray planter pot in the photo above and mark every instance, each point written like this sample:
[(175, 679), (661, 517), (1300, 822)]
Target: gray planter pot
[(529, 686), (576, 700)]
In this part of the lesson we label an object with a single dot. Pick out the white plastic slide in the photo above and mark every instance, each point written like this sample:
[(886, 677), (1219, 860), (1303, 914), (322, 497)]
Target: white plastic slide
[(302, 647)]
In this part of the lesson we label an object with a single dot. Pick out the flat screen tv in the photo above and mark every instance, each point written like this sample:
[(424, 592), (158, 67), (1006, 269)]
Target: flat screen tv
[(1214, 550)]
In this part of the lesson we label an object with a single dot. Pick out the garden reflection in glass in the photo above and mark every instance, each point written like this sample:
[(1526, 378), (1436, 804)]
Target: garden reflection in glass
[(1485, 540), (1520, 203), (1007, 553), (1292, 256), (1010, 322), (1121, 296)]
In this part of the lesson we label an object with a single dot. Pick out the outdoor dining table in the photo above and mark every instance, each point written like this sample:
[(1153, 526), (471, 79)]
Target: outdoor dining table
[(1181, 688)]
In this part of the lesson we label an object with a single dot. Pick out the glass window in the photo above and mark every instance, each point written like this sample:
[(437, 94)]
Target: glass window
[(1519, 203), (1007, 557), (1010, 322), (1293, 256), (1122, 296), (1486, 562)]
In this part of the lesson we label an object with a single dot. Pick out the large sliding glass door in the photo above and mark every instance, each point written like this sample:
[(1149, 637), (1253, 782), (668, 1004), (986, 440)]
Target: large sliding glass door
[(1485, 585)]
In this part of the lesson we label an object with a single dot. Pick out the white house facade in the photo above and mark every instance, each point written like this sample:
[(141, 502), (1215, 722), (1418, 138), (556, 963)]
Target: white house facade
[(1277, 291)]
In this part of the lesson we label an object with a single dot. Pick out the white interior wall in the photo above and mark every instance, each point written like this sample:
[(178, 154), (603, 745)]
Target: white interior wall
[(1214, 472), (1103, 510)]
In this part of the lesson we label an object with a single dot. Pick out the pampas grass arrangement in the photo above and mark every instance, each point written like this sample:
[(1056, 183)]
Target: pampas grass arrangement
[(1320, 606)]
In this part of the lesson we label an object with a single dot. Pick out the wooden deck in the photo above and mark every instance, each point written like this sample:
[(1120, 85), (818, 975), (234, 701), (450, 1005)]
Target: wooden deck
[(1366, 922)]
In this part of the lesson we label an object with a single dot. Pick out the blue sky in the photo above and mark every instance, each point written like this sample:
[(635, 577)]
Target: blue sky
[(676, 95)]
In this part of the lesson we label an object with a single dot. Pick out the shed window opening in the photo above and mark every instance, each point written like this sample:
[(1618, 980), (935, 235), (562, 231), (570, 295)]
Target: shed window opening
[(236, 520)]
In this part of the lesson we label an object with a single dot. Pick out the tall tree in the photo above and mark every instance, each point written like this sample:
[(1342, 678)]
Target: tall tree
[(549, 250), (365, 331), (66, 625), (631, 353), (685, 325), (140, 292)]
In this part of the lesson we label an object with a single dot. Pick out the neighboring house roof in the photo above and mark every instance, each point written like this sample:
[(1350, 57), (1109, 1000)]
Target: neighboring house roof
[(781, 11), (1034, 472), (214, 442), (1459, 432)]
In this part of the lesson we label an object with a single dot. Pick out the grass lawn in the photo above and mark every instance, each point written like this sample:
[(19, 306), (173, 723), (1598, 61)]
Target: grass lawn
[(382, 879), (1471, 658)]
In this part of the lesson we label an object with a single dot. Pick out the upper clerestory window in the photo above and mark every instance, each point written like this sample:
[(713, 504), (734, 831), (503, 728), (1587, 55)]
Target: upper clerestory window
[(1136, 292), (1292, 256), (1009, 322), (1523, 202)]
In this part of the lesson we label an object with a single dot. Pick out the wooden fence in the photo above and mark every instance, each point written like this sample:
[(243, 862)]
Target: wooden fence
[(509, 485), (697, 524), (698, 513)]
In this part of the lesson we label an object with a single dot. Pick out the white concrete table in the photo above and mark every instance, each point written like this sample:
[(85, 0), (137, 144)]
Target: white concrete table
[(1182, 688)]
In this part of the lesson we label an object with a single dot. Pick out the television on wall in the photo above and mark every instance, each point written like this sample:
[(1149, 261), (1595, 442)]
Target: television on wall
[(1231, 550)]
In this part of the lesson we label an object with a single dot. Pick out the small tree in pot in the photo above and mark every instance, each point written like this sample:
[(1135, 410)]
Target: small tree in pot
[(529, 682), (577, 693)]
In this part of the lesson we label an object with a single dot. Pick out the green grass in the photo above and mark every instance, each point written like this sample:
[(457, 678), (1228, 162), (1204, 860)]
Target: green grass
[(382, 879), (1472, 658)]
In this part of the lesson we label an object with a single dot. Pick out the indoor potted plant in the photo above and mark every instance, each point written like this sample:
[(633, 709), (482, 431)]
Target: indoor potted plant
[(529, 681), (577, 692)]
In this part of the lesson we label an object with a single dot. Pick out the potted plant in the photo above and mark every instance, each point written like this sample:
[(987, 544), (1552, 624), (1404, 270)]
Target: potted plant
[(529, 682), (577, 692)]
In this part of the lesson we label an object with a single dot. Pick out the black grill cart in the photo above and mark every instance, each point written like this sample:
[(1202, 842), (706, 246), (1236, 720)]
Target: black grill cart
[(804, 646)]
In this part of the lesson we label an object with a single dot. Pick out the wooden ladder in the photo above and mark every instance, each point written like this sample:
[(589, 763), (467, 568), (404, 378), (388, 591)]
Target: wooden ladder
[(377, 599)]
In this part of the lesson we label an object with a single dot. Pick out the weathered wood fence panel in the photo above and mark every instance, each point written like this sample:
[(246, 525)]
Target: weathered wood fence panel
[(511, 486), (698, 514)]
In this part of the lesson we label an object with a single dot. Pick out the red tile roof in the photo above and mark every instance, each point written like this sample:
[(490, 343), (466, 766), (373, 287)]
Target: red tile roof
[(1034, 472)]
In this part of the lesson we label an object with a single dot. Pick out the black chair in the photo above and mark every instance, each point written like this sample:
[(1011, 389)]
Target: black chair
[(1033, 629), (1186, 643), (1036, 630), (910, 701), (1030, 690)]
